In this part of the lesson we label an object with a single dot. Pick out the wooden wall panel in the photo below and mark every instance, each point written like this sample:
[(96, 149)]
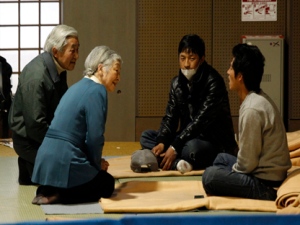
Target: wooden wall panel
[(228, 29), (160, 26), (293, 59), (111, 23)]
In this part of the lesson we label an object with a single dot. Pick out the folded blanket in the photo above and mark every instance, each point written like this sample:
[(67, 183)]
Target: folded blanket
[(119, 167), (293, 139), (288, 210), (289, 192), (293, 208), (295, 157), (295, 161), (295, 153), (174, 196)]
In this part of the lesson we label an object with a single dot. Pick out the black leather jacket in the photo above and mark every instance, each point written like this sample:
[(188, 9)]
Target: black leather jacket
[(198, 109)]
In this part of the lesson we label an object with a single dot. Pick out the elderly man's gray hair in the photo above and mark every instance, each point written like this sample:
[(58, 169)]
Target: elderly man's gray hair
[(58, 37)]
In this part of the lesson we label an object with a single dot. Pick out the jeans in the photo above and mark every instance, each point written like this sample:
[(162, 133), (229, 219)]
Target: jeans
[(199, 153), (220, 180)]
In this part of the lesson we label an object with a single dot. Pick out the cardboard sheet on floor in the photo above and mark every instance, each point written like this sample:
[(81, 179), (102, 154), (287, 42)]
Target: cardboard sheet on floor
[(119, 167), (174, 196)]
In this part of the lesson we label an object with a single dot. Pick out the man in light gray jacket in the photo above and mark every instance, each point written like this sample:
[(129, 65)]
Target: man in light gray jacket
[(263, 158)]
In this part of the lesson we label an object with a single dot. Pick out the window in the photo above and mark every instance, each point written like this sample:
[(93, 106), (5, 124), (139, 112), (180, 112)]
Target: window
[(24, 27)]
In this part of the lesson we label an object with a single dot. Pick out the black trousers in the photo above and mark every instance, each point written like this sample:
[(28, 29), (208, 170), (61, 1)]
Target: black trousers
[(102, 186), (26, 151), (199, 153)]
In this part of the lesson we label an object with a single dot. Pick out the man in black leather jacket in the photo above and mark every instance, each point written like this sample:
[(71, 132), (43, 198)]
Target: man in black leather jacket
[(197, 124)]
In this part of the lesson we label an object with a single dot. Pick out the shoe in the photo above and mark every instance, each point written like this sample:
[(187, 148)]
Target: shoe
[(183, 166)]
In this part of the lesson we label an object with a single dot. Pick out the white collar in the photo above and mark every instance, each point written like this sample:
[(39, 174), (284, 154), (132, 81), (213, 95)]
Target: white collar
[(94, 78), (58, 67)]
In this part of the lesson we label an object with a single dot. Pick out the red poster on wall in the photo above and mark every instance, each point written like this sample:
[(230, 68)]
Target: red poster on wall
[(259, 10)]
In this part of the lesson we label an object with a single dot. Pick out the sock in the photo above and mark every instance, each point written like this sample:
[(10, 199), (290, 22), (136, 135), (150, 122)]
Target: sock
[(183, 166)]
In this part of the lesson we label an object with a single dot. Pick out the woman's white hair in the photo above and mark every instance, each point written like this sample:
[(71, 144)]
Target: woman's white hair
[(58, 37), (100, 55)]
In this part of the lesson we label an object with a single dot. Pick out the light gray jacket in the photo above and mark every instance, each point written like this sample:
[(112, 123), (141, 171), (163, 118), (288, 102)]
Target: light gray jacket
[(262, 139)]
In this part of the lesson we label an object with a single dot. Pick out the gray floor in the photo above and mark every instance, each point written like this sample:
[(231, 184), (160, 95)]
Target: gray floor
[(15, 200)]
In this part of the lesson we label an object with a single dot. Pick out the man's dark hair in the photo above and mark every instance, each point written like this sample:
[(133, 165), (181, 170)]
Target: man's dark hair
[(249, 61), (5, 95), (192, 43), (5, 83)]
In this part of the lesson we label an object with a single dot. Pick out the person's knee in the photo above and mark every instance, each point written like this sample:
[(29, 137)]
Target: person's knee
[(109, 186), (107, 193), (208, 178), (191, 151), (145, 133), (193, 144), (208, 174), (222, 155), (224, 159), (148, 139), (149, 134), (144, 138), (199, 153)]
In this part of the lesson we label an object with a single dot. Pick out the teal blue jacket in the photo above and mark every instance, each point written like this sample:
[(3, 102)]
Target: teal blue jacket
[(71, 152)]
